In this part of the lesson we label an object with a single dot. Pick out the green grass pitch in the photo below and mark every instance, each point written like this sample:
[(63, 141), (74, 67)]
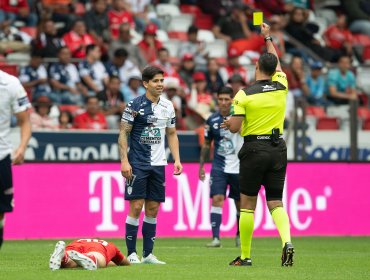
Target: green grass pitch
[(315, 258)]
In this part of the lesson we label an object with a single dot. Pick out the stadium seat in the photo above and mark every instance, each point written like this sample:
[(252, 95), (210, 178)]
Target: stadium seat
[(205, 35), (366, 124), (366, 54), (191, 9), (11, 69), (167, 10), (79, 9), (204, 22), (363, 81), (178, 35), (315, 111), (217, 48), (21, 59), (363, 113), (30, 30), (180, 23), (327, 123), (173, 47), (328, 14), (162, 35)]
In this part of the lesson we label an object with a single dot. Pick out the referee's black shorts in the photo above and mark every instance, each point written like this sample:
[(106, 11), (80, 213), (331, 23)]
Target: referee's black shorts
[(6, 185), (261, 163)]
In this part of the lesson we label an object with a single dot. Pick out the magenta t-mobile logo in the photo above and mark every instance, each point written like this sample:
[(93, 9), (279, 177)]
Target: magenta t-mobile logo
[(105, 202)]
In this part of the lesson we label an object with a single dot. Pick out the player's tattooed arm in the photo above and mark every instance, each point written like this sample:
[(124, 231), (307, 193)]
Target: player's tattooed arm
[(124, 132), (204, 155)]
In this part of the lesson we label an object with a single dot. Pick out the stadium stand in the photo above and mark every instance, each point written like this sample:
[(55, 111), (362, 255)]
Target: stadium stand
[(175, 17)]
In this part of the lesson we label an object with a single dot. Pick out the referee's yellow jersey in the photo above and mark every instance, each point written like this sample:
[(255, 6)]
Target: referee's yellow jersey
[(262, 105)]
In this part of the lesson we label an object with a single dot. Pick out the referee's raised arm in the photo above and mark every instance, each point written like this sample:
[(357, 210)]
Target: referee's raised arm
[(265, 31)]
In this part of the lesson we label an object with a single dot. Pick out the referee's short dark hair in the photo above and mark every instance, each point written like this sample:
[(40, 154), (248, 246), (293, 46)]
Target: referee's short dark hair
[(121, 53), (225, 90), (267, 63), (149, 72)]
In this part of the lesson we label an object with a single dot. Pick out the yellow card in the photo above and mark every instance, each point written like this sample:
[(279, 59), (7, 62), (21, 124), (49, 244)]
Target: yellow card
[(257, 18)]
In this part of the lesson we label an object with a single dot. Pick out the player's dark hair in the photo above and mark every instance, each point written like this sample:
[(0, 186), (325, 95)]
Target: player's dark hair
[(62, 48), (90, 48), (114, 77), (37, 53), (149, 72), (344, 56), (87, 99), (192, 29), (121, 53), (267, 63), (163, 50), (225, 90)]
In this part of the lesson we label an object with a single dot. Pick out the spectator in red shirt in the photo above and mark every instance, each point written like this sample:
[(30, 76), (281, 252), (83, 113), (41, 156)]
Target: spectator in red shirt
[(338, 36), (296, 77), (149, 45), (92, 118), (233, 66), (119, 14), (201, 101), (17, 10), (77, 39)]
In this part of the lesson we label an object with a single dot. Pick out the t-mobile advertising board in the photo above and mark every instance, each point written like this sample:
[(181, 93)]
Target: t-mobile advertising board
[(86, 200)]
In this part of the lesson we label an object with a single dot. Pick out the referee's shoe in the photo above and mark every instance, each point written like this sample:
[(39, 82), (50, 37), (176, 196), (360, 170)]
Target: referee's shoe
[(239, 262), (287, 255)]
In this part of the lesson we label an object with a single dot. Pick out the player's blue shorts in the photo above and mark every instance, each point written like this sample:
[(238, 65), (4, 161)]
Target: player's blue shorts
[(6, 185), (146, 183), (220, 180)]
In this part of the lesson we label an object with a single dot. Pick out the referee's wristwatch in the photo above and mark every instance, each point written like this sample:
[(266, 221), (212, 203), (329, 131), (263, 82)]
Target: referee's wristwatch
[(268, 38)]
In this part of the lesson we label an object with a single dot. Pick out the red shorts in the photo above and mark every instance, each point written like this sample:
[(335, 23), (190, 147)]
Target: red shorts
[(84, 247), (107, 249)]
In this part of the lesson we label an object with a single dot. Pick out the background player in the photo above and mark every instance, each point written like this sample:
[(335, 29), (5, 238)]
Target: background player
[(259, 110), (89, 254), (13, 100), (225, 165), (146, 120)]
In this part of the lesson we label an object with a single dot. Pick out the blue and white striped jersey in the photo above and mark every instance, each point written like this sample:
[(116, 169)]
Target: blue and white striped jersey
[(149, 122), (226, 145)]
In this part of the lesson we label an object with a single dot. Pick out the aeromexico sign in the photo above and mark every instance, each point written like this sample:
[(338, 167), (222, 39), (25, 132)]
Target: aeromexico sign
[(86, 200), (103, 146)]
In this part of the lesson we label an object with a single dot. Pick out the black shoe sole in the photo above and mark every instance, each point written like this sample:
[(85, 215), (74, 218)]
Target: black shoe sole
[(289, 257)]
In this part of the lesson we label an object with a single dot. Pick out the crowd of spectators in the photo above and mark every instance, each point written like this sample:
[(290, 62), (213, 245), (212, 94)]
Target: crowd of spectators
[(89, 54)]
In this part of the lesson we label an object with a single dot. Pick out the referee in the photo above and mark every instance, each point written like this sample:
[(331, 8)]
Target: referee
[(259, 112)]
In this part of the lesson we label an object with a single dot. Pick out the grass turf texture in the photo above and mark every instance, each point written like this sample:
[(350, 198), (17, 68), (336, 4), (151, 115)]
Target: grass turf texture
[(315, 258)]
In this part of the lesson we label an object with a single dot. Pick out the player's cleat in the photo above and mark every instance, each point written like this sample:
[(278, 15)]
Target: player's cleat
[(239, 262), (287, 255), (151, 259), (215, 243), (57, 256), (237, 241), (87, 262), (133, 258)]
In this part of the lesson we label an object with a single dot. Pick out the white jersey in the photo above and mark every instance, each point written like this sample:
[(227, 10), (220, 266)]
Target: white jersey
[(13, 100), (226, 145), (149, 122)]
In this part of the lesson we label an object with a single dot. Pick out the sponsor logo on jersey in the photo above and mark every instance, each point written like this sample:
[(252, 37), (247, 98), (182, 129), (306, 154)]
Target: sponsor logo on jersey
[(151, 136), (268, 88), (152, 119)]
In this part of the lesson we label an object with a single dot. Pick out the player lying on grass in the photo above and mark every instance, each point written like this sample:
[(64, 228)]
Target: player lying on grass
[(86, 253)]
